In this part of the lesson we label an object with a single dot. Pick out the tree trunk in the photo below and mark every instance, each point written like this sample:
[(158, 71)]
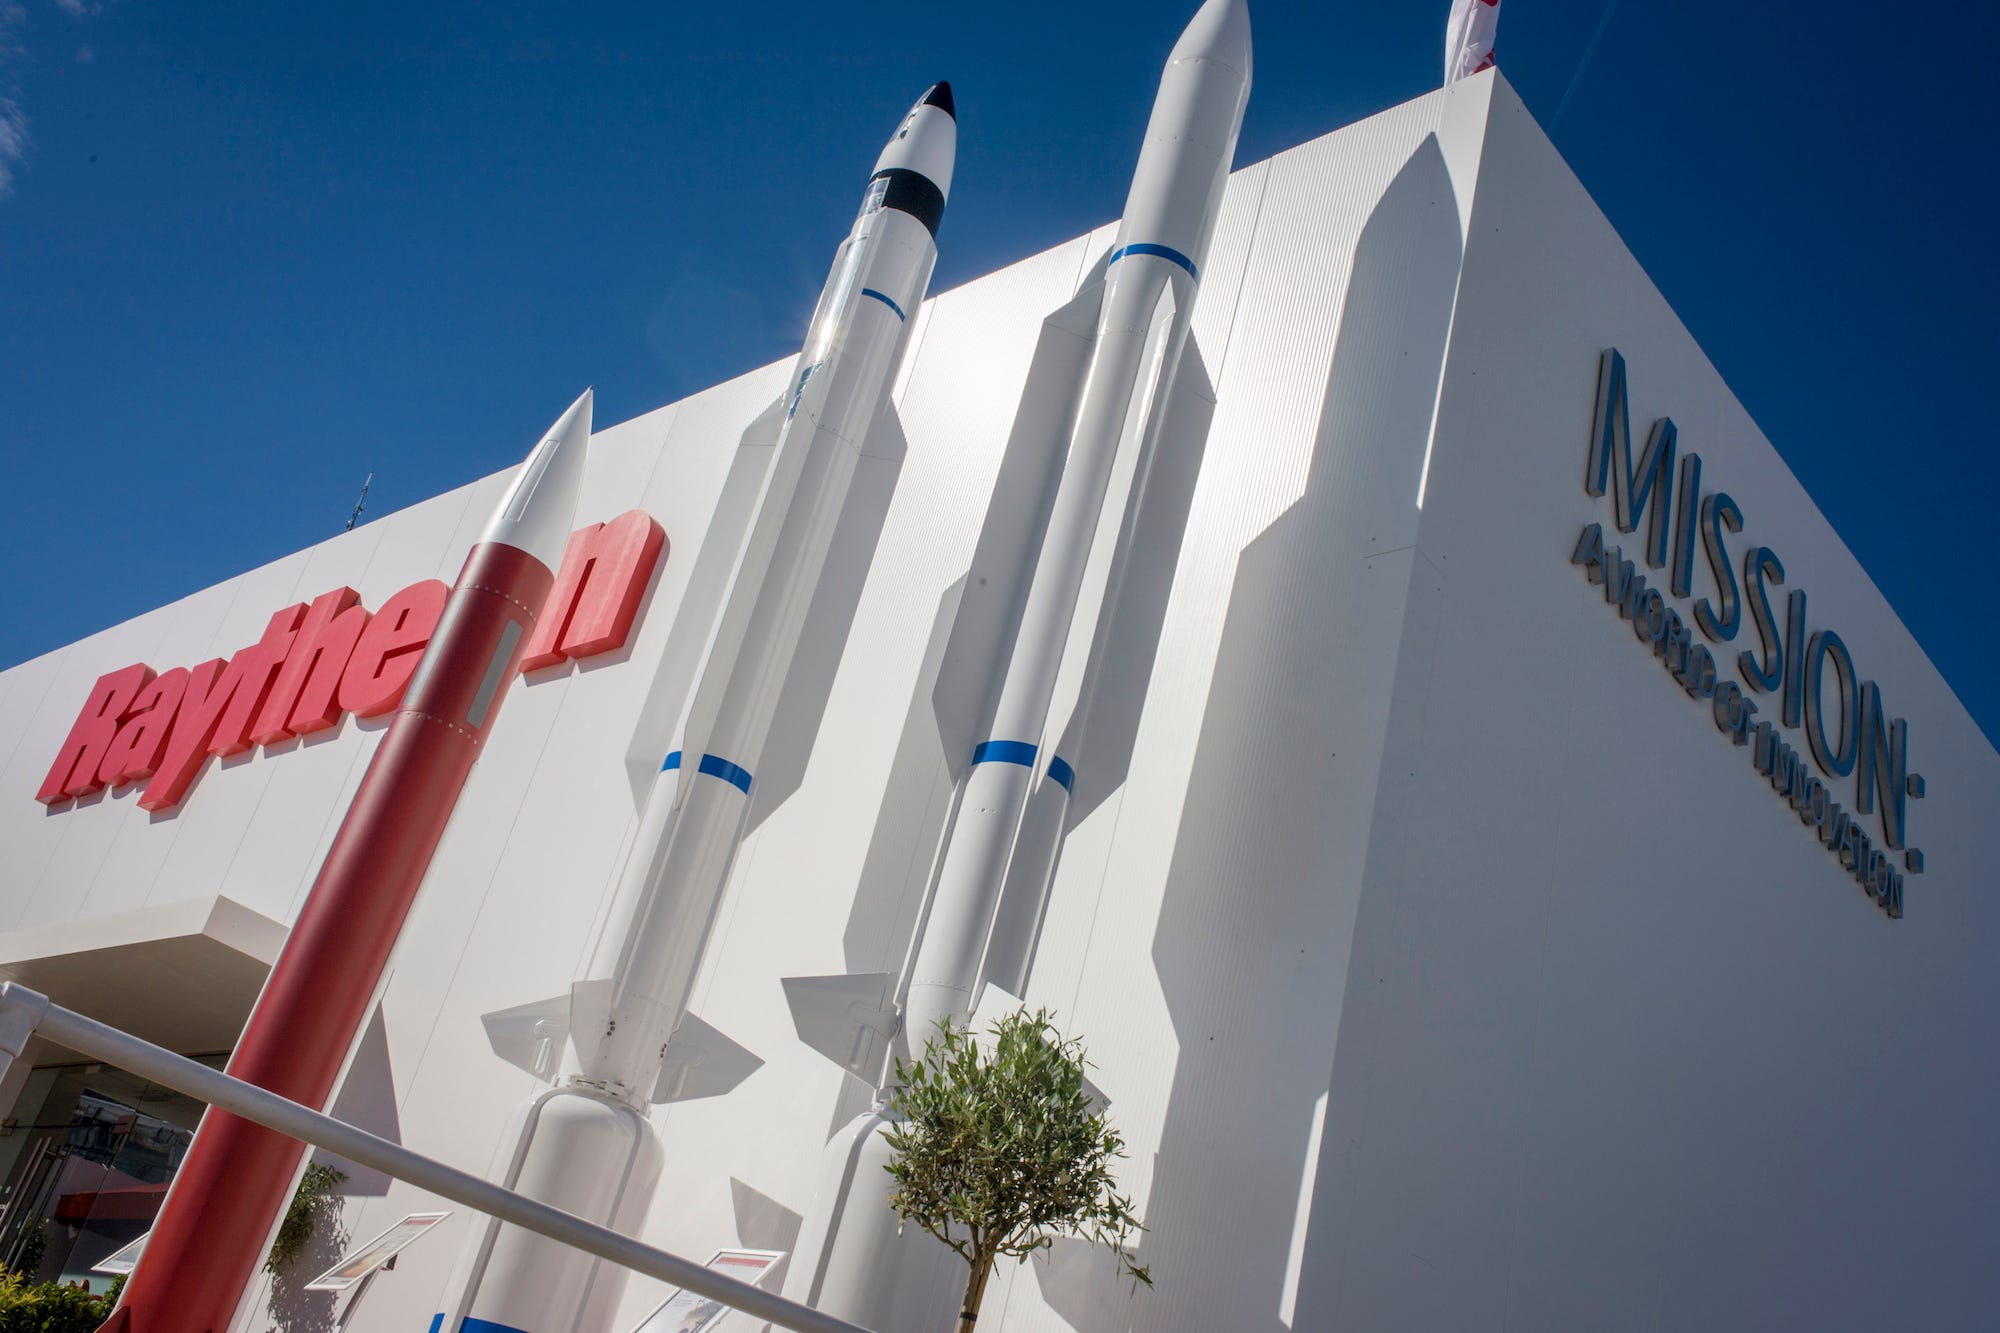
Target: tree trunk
[(975, 1292)]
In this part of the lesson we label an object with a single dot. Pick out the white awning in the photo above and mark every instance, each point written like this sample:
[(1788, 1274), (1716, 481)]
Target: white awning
[(182, 975)]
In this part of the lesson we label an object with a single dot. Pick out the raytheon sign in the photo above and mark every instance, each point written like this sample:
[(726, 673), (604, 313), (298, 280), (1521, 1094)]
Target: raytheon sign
[(1807, 677), (319, 661)]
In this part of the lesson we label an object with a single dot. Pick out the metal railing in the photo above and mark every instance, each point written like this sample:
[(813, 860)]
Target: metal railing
[(24, 1013)]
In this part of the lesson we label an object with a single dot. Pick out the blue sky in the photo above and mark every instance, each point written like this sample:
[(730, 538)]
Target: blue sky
[(251, 252)]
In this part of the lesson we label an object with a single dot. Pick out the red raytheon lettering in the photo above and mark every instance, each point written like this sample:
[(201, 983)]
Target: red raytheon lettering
[(142, 738), (255, 667), (604, 574), (385, 656), (217, 708), (306, 695), (316, 662), (75, 771)]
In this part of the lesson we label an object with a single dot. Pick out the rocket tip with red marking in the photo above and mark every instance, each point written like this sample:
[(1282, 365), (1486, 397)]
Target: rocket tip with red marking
[(539, 509)]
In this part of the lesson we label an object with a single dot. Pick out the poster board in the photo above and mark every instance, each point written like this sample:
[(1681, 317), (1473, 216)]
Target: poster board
[(123, 1259), (359, 1263), (685, 1312)]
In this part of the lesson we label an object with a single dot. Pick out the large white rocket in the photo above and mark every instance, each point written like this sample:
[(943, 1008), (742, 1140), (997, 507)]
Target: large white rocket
[(1004, 831), (587, 1145)]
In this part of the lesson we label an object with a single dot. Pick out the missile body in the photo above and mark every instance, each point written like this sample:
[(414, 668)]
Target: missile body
[(587, 1146), (694, 820), (238, 1178), (851, 1261), (1149, 291)]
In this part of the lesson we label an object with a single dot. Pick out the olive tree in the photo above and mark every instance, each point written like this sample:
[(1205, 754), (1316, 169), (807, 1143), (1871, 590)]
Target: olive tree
[(999, 1151)]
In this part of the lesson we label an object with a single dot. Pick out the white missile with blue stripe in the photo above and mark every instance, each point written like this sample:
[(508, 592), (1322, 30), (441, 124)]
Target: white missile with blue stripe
[(1148, 297), (587, 1146), (851, 1261)]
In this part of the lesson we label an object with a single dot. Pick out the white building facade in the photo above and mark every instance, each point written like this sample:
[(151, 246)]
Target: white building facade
[(1463, 938)]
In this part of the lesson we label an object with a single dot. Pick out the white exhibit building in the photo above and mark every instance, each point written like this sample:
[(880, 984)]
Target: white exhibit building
[(1521, 872)]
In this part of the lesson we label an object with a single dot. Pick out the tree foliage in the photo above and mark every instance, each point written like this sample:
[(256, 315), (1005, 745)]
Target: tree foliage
[(315, 1197), (1001, 1151), (53, 1307)]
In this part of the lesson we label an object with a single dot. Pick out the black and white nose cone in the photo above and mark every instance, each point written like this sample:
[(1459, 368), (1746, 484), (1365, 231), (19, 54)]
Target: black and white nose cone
[(939, 96), (926, 143)]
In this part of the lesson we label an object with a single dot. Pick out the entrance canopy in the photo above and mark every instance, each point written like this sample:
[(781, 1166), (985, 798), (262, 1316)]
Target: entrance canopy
[(182, 975)]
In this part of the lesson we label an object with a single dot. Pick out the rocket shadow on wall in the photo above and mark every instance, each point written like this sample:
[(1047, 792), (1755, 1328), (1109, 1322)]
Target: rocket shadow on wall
[(1264, 879)]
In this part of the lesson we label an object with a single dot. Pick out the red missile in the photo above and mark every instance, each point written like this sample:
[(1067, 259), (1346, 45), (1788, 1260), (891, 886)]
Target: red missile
[(237, 1178)]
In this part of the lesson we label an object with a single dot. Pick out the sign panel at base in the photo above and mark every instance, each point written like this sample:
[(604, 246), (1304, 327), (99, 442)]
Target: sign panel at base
[(380, 1252), (685, 1312)]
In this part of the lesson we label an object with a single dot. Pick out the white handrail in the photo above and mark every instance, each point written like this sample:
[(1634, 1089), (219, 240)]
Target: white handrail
[(24, 1012)]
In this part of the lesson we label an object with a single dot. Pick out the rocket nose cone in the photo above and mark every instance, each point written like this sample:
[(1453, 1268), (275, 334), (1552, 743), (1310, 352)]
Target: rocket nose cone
[(1219, 31), (574, 423), (927, 140), (539, 508)]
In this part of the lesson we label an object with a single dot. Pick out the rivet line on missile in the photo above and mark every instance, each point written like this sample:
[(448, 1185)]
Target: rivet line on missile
[(529, 611), (444, 722), (1166, 252), (870, 291)]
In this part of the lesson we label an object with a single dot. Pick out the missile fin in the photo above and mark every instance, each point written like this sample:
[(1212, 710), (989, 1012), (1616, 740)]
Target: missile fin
[(822, 644), (847, 1018), (763, 432), (1144, 412), (1078, 315), (793, 444), (1098, 739), (530, 1036), (995, 1003), (657, 729), (885, 438), (589, 1015), (1010, 538), (702, 1062)]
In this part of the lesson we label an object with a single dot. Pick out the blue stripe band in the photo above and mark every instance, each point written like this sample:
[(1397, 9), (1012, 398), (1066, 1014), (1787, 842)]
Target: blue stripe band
[(1166, 252), (1004, 752), (471, 1325), (870, 291), (714, 766), (1060, 772)]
